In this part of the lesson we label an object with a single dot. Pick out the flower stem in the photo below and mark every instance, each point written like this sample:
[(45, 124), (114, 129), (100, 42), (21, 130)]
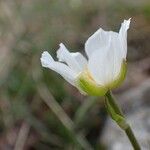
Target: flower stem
[(113, 103), (117, 115), (132, 138)]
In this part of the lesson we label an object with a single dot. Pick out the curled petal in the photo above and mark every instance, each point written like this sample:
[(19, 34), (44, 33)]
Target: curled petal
[(123, 36), (46, 58), (65, 56), (48, 62)]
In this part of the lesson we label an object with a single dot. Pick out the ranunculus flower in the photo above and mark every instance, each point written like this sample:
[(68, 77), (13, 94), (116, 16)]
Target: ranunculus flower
[(105, 67)]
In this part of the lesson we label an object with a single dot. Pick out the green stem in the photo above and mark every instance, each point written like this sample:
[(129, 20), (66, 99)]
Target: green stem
[(113, 103), (124, 125), (132, 138)]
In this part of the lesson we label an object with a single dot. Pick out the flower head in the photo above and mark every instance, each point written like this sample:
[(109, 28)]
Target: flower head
[(105, 67)]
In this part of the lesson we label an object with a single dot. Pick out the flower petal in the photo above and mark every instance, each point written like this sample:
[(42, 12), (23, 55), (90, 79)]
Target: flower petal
[(105, 63), (65, 56), (46, 58), (98, 65), (106, 51), (82, 61), (123, 36), (97, 41), (67, 73)]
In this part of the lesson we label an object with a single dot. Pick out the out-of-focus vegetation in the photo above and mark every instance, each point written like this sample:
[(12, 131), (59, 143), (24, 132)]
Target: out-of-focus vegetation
[(38, 109)]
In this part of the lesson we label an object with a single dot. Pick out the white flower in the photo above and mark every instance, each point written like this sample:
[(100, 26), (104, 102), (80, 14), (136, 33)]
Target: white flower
[(105, 67)]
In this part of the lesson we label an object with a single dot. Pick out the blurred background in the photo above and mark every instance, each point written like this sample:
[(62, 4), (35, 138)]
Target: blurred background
[(38, 109)]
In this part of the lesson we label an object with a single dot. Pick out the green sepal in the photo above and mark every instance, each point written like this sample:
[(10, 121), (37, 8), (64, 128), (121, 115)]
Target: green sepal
[(120, 77), (88, 86)]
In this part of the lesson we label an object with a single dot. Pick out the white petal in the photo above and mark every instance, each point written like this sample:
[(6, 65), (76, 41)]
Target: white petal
[(97, 41), (123, 36), (82, 61), (97, 66), (104, 64), (48, 62), (46, 58), (115, 56), (65, 56), (106, 51)]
